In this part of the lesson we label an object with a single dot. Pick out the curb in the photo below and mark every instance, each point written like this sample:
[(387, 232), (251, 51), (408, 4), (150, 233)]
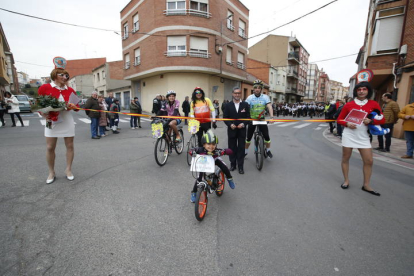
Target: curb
[(377, 156)]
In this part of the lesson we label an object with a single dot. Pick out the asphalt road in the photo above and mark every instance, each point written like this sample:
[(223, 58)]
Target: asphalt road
[(125, 215)]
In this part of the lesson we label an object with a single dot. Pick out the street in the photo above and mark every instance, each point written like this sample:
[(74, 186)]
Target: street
[(125, 215)]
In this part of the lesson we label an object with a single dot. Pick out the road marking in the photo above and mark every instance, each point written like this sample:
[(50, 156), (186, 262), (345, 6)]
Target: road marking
[(318, 128), (302, 125), (275, 123), (145, 119), (43, 122), (323, 125), (39, 115), (288, 124), (124, 121), (86, 121), (25, 122)]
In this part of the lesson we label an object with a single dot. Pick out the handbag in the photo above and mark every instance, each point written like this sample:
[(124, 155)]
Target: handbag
[(8, 107)]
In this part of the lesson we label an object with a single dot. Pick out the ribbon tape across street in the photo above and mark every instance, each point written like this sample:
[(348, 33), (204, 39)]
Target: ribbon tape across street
[(216, 119)]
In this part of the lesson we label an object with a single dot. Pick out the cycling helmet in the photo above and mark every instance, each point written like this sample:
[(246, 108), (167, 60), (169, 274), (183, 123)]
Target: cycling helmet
[(258, 83), (198, 89), (171, 92), (209, 137)]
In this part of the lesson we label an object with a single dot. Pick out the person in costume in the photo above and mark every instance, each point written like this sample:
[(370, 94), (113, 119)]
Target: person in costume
[(65, 128)]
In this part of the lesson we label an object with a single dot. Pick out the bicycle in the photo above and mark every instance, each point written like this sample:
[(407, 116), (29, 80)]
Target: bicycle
[(259, 145), (192, 143), (166, 143), (213, 183)]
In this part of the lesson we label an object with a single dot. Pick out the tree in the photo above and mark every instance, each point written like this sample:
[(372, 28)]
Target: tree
[(31, 92)]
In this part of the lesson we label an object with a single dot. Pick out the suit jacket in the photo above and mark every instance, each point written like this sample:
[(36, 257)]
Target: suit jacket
[(231, 113)]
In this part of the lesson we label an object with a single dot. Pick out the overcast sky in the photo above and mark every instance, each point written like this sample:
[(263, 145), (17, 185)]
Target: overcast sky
[(334, 31)]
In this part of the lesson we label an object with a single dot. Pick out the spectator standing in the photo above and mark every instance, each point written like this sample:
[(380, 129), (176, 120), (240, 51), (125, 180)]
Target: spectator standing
[(217, 107), (390, 109), (186, 108), (92, 103), (135, 108), (114, 116), (356, 136), (102, 117), (156, 104), (236, 129), (2, 110), (329, 115), (339, 127), (109, 100), (407, 115), (14, 109)]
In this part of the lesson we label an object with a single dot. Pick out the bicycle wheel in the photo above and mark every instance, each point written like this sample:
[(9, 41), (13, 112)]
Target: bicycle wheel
[(161, 151), (201, 203), (192, 143), (220, 184), (258, 143), (179, 146)]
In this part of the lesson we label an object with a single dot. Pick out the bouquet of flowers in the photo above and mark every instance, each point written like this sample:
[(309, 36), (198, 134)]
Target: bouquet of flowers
[(49, 106)]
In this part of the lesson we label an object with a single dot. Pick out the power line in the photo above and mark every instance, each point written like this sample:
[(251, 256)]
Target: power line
[(333, 58), (294, 20)]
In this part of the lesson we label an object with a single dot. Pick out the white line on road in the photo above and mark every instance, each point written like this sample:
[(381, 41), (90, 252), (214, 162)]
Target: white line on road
[(145, 119), (39, 115), (43, 122), (124, 121), (288, 124), (302, 125), (323, 125), (318, 128), (25, 122), (275, 123), (86, 121)]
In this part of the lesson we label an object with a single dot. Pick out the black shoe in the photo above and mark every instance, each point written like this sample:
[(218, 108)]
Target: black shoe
[(371, 192), (387, 150), (115, 132), (269, 153), (344, 186), (13, 126), (96, 137), (241, 171), (232, 168), (140, 127), (379, 148)]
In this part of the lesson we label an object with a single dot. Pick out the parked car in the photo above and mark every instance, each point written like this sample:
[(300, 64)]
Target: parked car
[(24, 103)]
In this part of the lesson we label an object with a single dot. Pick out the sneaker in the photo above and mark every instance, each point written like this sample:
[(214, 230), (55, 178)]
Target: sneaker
[(193, 197), (269, 153), (407, 156), (103, 135), (231, 183), (132, 127)]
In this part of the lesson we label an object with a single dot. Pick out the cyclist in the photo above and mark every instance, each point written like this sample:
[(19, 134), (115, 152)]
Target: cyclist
[(171, 108), (209, 141), (202, 109), (258, 103)]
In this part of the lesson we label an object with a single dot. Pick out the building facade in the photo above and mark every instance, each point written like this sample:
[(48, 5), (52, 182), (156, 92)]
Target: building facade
[(109, 77), (312, 84), (180, 44), (77, 67), (336, 90), (388, 51), (287, 53), (323, 88), (82, 84)]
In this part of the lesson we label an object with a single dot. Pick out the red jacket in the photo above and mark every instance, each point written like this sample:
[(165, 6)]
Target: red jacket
[(368, 107), (47, 89)]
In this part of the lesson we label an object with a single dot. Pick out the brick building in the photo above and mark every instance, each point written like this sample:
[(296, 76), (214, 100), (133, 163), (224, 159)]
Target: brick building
[(8, 75), (312, 84), (290, 58), (389, 51), (323, 88), (180, 44), (77, 67), (273, 77), (109, 77)]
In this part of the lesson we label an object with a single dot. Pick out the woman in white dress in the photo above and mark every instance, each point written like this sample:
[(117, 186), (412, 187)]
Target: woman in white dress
[(65, 127), (13, 102), (356, 136)]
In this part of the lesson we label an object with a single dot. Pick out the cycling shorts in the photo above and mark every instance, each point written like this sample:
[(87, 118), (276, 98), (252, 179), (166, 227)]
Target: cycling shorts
[(263, 128)]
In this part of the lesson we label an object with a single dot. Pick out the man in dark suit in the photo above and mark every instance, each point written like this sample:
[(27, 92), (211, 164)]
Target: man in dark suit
[(236, 129)]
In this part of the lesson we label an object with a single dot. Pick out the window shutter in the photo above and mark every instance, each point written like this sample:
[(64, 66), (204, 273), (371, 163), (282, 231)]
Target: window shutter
[(136, 18), (199, 43), (202, 1), (389, 35), (138, 52), (229, 54), (240, 58), (176, 41), (242, 25)]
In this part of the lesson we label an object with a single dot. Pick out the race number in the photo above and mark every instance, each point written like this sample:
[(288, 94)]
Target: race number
[(203, 163)]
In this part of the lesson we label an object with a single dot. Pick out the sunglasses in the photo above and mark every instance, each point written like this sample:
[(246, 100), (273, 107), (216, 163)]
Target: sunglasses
[(63, 75), (198, 92), (256, 87)]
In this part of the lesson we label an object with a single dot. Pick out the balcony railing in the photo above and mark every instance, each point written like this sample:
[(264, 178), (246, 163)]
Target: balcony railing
[(293, 56), (137, 61), (136, 27), (292, 73), (229, 62), (196, 54), (125, 36), (127, 65), (230, 27), (188, 11), (241, 66), (242, 33)]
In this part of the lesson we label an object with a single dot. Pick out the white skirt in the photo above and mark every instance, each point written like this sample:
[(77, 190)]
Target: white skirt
[(66, 128), (356, 138)]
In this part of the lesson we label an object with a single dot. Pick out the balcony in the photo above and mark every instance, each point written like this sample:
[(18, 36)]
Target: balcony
[(127, 65), (137, 61), (293, 56), (229, 62), (242, 33), (292, 74), (187, 11), (125, 36), (230, 27), (241, 66), (199, 54), (196, 54)]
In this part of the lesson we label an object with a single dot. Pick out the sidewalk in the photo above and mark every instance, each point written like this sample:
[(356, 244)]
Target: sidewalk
[(398, 149)]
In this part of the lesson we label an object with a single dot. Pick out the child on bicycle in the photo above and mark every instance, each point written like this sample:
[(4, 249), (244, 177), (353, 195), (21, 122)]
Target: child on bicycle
[(209, 141)]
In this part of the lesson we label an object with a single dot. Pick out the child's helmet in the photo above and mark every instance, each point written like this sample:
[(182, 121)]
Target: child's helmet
[(209, 137)]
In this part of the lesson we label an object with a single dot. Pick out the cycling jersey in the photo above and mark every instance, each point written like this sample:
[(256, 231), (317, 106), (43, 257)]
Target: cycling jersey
[(201, 110), (257, 105), (172, 110)]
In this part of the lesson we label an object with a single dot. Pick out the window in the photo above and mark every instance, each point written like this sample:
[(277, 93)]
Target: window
[(242, 29), (388, 30), (127, 64), (229, 54), (97, 77), (230, 18), (135, 26), (175, 7), (271, 77), (200, 5), (240, 61), (199, 47), (103, 74), (137, 60), (176, 46), (125, 31)]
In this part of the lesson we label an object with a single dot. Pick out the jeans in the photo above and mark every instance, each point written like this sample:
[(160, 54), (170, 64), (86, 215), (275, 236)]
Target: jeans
[(18, 116), (409, 137), (134, 120), (102, 130), (339, 129), (94, 126), (387, 137)]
